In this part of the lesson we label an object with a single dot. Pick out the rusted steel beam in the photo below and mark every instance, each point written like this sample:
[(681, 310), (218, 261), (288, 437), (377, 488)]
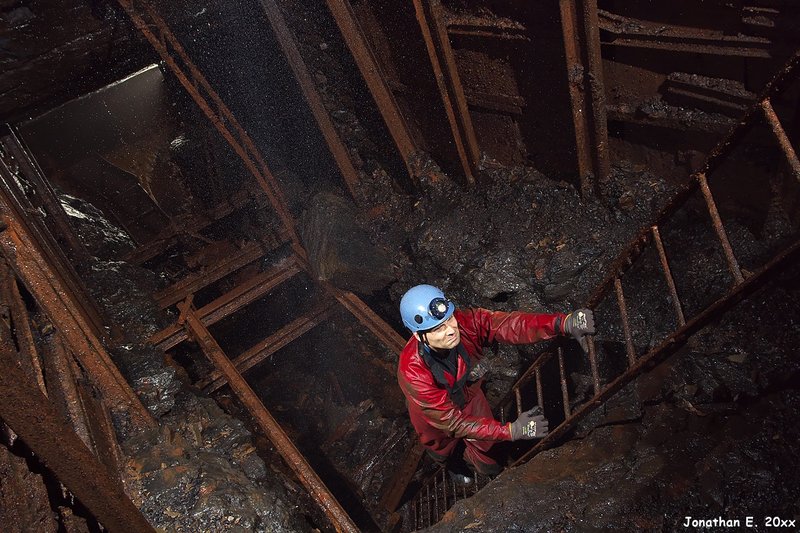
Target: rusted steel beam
[(103, 439), (626, 323), (61, 386), (43, 194), (781, 137), (672, 343), (719, 229), (586, 89), (33, 418), (374, 77), (16, 169), (190, 226), (594, 81), (194, 282), (673, 291), (335, 144), (445, 70), (60, 306), (636, 33), (577, 94), (220, 116), (263, 349), (20, 322), (518, 396), (383, 331), (310, 480), (230, 302)]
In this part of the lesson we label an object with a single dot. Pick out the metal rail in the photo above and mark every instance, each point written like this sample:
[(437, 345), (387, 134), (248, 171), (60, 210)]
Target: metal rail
[(429, 16), (50, 402), (337, 515), (611, 290)]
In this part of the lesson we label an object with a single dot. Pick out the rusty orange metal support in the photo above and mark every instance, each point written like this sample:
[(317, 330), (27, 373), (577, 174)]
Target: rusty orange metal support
[(587, 94), (230, 302), (263, 349), (376, 81), (338, 517), (60, 306), (446, 72), (28, 412), (304, 79), (220, 116)]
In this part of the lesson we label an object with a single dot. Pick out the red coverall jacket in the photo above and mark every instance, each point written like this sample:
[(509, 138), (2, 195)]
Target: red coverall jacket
[(434, 416)]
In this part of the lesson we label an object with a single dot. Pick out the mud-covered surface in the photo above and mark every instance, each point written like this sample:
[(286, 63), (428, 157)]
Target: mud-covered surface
[(712, 433)]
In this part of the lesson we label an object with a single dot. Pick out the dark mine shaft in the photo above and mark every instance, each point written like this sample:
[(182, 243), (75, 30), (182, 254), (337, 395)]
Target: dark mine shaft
[(210, 212)]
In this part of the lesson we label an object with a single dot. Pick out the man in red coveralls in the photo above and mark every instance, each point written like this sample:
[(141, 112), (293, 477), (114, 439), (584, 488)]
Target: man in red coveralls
[(441, 380)]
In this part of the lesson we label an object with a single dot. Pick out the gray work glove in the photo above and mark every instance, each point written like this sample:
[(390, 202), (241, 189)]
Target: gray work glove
[(579, 324), (530, 425)]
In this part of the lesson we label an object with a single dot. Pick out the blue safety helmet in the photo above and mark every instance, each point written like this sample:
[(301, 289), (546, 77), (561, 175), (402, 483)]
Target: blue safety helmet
[(424, 307)]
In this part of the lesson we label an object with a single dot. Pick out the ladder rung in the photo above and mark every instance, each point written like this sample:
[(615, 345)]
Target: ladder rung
[(781, 137), (593, 364), (662, 254), (563, 376), (626, 325), (733, 265)]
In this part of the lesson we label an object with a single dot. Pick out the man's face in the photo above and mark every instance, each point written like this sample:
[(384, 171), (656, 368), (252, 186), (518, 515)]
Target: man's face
[(444, 336)]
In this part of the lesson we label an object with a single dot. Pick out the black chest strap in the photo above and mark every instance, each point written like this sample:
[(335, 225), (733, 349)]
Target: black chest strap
[(456, 392)]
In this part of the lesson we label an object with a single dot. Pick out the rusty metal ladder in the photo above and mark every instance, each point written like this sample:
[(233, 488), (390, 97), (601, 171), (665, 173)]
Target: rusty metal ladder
[(436, 495)]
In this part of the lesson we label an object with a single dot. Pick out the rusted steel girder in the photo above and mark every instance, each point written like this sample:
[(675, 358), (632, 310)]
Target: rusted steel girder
[(20, 322), (60, 305), (307, 86), (62, 390), (637, 33), (374, 77), (25, 192), (230, 302), (220, 116), (586, 89), (338, 517), (445, 71), (173, 294), (27, 411), (263, 349), (189, 226), (383, 331)]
